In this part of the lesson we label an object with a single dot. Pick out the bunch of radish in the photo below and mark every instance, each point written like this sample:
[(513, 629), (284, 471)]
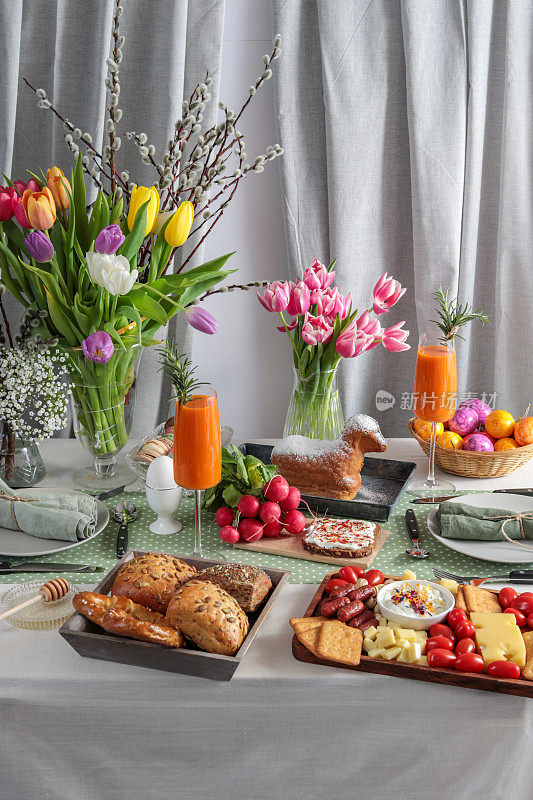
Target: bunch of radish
[(275, 515)]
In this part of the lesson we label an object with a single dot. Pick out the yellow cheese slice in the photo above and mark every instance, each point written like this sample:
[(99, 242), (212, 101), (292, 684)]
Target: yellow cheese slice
[(499, 638)]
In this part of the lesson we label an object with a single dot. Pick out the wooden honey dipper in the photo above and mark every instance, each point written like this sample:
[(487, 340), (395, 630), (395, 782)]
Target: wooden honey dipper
[(50, 592)]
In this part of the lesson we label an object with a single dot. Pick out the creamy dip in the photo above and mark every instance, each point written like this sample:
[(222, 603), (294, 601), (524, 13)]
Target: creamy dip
[(413, 599)]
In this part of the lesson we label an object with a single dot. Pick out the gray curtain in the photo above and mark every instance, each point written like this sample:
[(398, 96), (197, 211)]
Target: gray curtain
[(61, 46), (409, 148)]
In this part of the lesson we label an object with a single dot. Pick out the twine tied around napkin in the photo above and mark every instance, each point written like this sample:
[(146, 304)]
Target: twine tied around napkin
[(16, 498), (511, 518)]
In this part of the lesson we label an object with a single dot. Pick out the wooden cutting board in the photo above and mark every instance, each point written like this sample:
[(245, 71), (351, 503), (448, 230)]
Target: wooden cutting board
[(292, 547)]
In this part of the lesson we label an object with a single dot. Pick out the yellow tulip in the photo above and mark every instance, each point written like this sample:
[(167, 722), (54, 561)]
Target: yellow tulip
[(40, 208), (139, 196), (178, 228), (58, 185)]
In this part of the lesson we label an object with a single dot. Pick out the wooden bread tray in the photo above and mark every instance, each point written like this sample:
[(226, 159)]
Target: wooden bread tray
[(91, 641), (416, 672)]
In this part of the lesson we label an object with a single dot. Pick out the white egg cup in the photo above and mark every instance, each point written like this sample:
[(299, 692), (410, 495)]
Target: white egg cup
[(164, 502)]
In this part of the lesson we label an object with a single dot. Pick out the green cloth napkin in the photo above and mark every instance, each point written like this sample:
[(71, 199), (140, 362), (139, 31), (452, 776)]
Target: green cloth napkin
[(51, 515), (462, 521)]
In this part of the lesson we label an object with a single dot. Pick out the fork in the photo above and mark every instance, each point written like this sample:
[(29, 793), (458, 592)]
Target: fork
[(515, 576)]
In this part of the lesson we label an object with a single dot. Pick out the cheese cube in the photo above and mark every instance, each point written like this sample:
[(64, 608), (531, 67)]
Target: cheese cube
[(499, 637), (423, 661), (409, 575), (409, 634), (368, 644), (414, 652), (392, 652), (370, 633), (403, 656), (403, 643), (385, 638), (452, 586), (377, 652)]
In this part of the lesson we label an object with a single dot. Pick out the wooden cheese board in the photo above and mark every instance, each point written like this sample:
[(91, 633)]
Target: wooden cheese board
[(292, 547), (520, 687)]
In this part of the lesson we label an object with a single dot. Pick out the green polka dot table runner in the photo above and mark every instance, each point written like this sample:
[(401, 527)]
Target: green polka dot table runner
[(392, 558)]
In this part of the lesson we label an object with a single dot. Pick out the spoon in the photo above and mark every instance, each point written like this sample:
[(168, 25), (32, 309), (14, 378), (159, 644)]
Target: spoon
[(412, 526), (124, 513)]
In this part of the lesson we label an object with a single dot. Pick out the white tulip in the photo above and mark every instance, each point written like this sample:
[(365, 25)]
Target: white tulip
[(112, 272)]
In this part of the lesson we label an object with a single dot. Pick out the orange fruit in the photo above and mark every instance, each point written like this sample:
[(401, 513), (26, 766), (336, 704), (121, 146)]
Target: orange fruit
[(505, 444), (523, 432), (450, 440), (423, 429), (500, 424)]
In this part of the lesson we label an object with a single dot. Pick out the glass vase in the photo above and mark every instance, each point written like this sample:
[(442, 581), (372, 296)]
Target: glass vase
[(21, 464), (102, 404), (315, 407)]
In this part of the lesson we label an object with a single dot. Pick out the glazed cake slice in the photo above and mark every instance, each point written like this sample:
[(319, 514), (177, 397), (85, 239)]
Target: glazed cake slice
[(341, 538)]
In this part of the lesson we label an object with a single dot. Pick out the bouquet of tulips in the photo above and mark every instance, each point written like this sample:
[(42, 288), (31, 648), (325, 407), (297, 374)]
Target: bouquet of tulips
[(323, 328)]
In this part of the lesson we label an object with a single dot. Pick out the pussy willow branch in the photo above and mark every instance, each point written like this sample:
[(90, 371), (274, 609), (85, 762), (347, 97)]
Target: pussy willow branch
[(111, 104), (6, 322), (244, 287)]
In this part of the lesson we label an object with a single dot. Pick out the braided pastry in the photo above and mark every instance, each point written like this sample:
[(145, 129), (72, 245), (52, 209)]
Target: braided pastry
[(122, 616)]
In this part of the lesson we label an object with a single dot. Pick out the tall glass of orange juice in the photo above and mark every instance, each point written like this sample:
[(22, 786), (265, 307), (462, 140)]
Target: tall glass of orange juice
[(197, 451), (435, 398)]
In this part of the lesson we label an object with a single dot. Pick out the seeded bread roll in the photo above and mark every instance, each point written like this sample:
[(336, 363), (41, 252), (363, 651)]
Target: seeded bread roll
[(152, 579), (248, 585), (208, 615)]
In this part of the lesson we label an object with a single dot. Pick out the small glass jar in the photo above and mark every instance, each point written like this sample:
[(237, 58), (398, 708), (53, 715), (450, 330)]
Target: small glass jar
[(21, 464)]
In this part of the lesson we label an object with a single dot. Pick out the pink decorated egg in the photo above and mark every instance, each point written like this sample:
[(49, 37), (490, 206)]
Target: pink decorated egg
[(463, 421), (478, 443), (481, 408)]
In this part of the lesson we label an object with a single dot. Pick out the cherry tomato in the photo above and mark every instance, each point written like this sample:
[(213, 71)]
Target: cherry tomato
[(438, 643), (503, 669), (455, 615), (521, 620), (442, 630), (374, 577), (530, 621), (441, 658), (465, 629), (524, 602), (506, 596), (334, 583), (469, 662), (351, 574), (465, 646)]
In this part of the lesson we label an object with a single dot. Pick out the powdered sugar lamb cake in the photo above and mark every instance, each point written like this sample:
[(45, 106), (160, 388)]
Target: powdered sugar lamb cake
[(329, 467)]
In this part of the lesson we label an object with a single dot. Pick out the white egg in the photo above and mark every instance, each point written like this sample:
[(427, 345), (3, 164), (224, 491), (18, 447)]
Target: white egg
[(160, 473)]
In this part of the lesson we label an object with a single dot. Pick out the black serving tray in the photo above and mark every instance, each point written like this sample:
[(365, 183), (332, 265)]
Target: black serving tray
[(383, 482), (91, 641)]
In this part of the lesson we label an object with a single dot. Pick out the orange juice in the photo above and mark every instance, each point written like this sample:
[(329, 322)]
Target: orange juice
[(197, 446), (435, 383)]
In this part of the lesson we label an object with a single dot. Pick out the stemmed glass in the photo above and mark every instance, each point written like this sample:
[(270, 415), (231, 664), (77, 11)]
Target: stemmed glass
[(198, 452), (435, 397)]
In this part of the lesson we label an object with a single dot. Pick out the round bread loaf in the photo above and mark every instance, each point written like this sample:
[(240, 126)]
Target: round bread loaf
[(152, 579), (209, 616)]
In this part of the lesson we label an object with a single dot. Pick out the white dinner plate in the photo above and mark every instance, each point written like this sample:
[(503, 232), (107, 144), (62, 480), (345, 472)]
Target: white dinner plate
[(488, 551), (21, 545)]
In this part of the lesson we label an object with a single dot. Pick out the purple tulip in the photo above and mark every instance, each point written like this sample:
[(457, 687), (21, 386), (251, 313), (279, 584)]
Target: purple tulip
[(109, 240), (98, 347), (202, 320), (39, 246)]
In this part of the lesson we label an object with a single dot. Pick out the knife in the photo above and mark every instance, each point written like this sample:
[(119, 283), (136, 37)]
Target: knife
[(37, 566), (525, 492), (110, 493)]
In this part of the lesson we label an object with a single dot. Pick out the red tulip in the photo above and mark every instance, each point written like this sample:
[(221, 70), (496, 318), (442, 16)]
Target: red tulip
[(20, 214), (7, 195), (31, 186)]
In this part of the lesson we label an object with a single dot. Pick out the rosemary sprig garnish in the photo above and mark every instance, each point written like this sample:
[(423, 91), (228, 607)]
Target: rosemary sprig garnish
[(180, 370), (454, 315)]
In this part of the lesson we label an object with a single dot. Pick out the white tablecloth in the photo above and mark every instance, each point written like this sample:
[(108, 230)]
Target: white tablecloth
[(77, 729)]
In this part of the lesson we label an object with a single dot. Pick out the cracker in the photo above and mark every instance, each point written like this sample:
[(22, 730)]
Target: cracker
[(339, 643), (308, 637), (460, 598), (305, 623), (527, 671), (479, 599)]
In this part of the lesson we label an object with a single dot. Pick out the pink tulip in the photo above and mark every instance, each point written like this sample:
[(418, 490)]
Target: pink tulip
[(7, 195), (299, 300), (371, 327), (20, 214), (276, 297), (325, 301), (343, 305), (316, 330), (21, 187), (201, 320), (386, 294), (394, 338), (352, 342), (317, 276), (290, 325)]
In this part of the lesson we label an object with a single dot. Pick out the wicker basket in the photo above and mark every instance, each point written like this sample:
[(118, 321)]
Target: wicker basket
[(475, 465)]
